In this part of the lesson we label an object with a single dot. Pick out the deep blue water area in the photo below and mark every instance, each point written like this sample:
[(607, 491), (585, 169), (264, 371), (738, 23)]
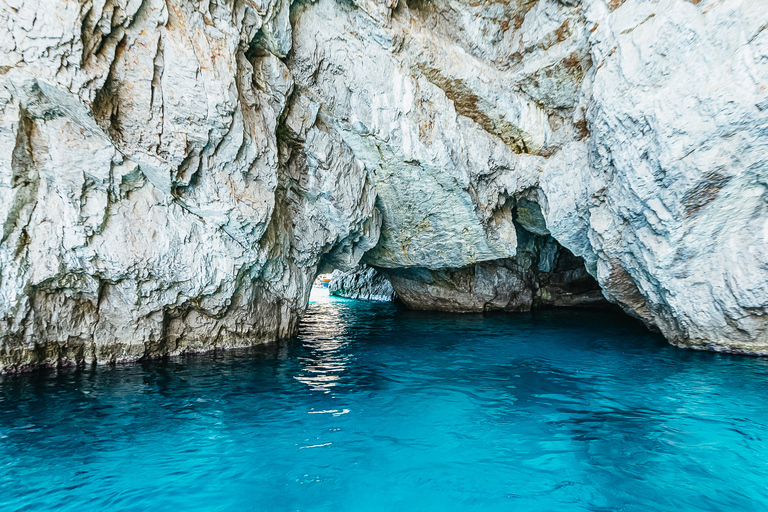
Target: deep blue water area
[(374, 407)]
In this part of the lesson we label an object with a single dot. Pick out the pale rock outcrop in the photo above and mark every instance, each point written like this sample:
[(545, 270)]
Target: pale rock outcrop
[(173, 174), (638, 127), (362, 283), (148, 205), (679, 132)]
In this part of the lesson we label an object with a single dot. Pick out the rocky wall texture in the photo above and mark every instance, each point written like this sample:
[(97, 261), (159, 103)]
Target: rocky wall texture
[(150, 204), (542, 274), (362, 283), (174, 174), (637, 127)]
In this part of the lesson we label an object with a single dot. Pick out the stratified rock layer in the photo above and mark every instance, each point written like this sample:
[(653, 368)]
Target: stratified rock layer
[(362, 283), (173, 174)]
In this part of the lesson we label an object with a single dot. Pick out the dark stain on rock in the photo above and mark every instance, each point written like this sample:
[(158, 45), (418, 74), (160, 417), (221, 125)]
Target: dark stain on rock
[(624, 289), (106, 108), (556, 86), (652, 15), (25, 183), (582, 129), (563, 32), (615, 4), (704, 192)]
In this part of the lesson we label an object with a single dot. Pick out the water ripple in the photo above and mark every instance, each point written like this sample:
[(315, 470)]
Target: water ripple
[(375, 408)]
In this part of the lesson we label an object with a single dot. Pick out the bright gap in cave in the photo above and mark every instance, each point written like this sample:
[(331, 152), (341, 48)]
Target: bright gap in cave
[(320, 291)]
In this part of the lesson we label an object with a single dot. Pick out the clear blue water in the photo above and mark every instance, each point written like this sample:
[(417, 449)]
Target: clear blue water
[(375, 408)]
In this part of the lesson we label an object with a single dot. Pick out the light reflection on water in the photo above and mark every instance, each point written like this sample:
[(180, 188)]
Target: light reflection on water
[(320, 294), (328, 352), (375, 408)]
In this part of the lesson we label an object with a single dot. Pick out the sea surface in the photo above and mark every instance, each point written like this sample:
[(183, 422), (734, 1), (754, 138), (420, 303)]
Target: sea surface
[(373, 407)]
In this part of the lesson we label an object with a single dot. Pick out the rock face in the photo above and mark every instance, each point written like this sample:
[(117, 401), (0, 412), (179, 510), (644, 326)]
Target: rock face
[(174, 174), (148, 204), (681, 231), (542, 274), (363, 283)]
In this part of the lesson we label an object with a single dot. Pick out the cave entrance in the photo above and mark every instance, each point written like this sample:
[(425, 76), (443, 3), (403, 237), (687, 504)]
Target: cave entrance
[(320, 291), (360, 283), (543, 274)]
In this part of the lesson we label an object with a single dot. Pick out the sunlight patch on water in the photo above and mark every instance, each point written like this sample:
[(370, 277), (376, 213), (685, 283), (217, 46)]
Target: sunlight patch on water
[(319, 294), (328, 353)]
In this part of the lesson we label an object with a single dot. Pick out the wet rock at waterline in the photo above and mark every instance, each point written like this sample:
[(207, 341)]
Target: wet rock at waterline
[(173, 174), (363, 283)]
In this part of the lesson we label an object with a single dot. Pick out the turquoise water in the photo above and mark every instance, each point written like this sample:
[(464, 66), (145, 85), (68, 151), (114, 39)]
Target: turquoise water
[(376, 408)]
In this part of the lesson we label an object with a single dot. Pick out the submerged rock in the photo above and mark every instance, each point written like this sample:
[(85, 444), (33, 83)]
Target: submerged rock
[(173, 174), (363, 283)]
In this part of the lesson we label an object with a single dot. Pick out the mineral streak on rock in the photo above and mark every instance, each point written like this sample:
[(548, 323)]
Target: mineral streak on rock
[(173, 174)]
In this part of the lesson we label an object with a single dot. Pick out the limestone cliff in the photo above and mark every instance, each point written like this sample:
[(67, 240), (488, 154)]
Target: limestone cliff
[(174, 174), (157, 194)]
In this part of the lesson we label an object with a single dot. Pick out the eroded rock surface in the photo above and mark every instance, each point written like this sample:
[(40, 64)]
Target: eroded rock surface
[(542, 274), (173, 174), (362, 283), (148, 204), (623, 121)]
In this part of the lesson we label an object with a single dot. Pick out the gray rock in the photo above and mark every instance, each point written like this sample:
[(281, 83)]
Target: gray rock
[(149, 205), (542, 274), (362, 283)]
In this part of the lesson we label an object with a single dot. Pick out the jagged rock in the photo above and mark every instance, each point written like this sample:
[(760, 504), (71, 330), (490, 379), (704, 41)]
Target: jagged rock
[(148, 204), (173, 174), (362, 283), (640, 177), (542, 274), (679, 219)]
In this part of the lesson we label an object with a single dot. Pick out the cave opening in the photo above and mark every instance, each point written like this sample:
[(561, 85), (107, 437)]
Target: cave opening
[(543, 274)]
